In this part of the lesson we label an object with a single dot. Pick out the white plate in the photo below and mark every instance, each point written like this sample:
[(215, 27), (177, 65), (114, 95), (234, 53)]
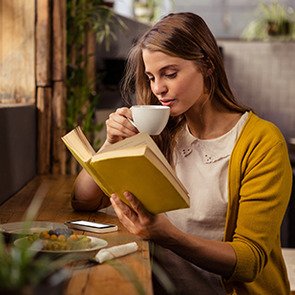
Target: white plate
[(23, 228), (95, 245)]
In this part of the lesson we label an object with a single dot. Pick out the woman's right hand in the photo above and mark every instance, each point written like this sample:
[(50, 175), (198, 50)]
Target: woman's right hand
[(118, 126)]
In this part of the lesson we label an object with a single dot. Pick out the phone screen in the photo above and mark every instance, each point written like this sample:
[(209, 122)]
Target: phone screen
[(92, 224)]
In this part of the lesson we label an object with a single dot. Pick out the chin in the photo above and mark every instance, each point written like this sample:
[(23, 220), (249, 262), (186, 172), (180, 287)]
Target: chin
[(174, 111)]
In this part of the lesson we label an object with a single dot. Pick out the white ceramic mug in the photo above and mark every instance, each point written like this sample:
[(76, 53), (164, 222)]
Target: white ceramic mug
[(150, 119)]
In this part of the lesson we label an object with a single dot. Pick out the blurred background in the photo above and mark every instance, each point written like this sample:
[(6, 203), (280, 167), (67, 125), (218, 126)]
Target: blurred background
[(226, 18), (61, 63)]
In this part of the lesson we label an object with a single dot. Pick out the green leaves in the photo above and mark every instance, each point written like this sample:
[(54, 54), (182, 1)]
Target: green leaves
[(273, 21), (83, 17), (19, 266), (273, 11)]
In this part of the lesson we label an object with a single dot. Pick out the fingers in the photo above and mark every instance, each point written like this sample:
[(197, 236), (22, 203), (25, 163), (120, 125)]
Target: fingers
[(125, 112), (125, 214), (118, 125), (136, 219), (135, 204), (135, 212)]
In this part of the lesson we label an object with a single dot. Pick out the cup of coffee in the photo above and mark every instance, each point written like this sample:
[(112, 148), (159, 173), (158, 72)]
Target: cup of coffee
[(150, 119)]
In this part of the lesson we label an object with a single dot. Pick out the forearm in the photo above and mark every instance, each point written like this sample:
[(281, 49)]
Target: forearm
[(214, 256), (87, 195)]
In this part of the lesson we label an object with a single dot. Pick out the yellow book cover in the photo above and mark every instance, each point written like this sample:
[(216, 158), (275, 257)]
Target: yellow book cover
[(135, 164)]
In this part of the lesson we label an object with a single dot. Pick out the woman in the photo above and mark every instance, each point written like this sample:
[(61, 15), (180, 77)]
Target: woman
[(234, 165)]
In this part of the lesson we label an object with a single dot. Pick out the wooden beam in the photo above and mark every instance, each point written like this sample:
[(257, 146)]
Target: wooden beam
[(59, 40), (58, 127), (44, 107), (43, 43)]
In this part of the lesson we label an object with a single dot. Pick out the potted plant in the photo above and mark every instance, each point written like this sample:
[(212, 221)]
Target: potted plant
[(148, 11), (274, 21)]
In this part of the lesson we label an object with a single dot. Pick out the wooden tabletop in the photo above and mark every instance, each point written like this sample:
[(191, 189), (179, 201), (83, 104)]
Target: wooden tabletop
[(130, 274)]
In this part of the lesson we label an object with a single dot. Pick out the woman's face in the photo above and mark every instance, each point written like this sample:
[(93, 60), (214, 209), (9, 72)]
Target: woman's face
[(176, 82)]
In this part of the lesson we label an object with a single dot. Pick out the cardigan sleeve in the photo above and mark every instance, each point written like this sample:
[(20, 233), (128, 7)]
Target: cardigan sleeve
[(263, 189)]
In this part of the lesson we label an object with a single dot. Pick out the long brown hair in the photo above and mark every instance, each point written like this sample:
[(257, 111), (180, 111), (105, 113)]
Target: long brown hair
[(187, 36)]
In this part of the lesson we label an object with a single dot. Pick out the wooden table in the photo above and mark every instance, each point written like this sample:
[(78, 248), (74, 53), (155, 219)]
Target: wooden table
[(99, 279)]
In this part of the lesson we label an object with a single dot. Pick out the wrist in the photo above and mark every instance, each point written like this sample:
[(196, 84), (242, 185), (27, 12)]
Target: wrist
[(168, 236)]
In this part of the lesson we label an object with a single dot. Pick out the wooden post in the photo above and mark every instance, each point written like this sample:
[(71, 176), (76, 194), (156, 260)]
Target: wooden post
[(59, 40), (43, 43), (50, 82), (58, 118), (44, 101), (59, 87), (33, 70), (43, 84)]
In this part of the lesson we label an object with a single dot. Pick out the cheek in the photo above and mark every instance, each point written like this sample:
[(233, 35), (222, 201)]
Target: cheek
[(152, 88), (190, 89)]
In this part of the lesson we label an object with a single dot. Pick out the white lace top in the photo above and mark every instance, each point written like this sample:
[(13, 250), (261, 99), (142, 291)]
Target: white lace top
[(202, 166)]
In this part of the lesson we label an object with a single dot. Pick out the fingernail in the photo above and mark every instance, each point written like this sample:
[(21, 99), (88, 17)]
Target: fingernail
[(113, 197), (128, 196)]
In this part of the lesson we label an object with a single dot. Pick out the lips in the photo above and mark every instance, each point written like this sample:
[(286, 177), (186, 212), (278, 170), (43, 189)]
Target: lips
[(167, 101)]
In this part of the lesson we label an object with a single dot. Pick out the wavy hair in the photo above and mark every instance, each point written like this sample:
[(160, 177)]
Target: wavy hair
[(184, 35)]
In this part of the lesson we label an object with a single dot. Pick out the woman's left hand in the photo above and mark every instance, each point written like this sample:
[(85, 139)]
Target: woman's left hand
[(138, 220)]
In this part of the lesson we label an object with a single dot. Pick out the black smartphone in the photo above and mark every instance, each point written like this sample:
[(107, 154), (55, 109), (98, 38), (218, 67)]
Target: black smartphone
[(91, 226)]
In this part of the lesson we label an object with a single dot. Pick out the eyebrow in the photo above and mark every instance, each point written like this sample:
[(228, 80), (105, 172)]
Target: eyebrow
[(168, 67)]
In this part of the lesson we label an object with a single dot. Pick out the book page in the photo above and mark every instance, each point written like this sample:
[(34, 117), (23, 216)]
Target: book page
[(135, 140), (85, 141), (76, 141), (128, 152)]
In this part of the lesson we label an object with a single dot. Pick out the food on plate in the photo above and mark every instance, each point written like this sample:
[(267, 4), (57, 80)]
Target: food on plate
[(60, 239)]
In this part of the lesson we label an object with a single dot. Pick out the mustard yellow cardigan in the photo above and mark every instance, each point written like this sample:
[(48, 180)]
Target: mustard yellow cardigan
[(260, 180)]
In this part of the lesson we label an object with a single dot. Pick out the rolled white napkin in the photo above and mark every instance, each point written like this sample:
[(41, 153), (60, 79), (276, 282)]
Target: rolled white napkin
[(116, 251)]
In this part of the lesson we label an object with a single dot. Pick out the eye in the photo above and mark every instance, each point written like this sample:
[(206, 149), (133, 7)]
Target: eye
[(150, 78), (171, 75)]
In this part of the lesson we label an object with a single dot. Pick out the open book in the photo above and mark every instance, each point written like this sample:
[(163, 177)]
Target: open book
[(134, 164)]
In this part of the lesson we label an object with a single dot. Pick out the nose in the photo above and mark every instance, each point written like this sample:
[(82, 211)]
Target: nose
[(159, 87)]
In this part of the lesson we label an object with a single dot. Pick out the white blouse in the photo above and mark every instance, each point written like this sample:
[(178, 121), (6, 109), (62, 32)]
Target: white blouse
[(202, 166)]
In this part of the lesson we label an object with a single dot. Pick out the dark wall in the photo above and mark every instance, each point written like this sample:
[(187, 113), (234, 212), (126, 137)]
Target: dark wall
[(17, 148)]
